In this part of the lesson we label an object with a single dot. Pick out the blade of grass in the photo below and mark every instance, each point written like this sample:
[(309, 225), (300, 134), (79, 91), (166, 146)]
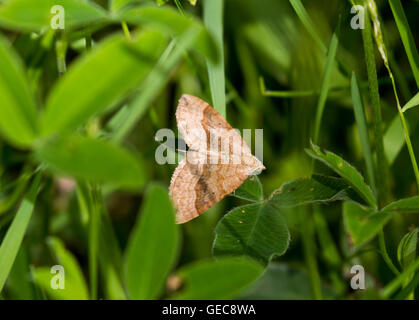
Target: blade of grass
[(308, 23), (373, 12), (383, 51), (309, 247), (362, 130), (94, 226), (381, 165), (309, 231), (398, 282), (14, 236), (411, 103), (213, 18), (407, 37), (330, 62), (125, 120), (384, 253), (408, 291)]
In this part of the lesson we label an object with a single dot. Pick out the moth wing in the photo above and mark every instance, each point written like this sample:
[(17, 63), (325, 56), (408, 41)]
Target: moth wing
[(203, 128), (194, 188)]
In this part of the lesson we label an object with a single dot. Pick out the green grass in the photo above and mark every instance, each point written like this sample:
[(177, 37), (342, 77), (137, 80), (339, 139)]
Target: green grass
[(79, 182)]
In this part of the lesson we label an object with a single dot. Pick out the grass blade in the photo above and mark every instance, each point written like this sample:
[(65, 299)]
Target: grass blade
[(308, 23), (381, 165), (14, 236), (411, 103), (407, 37), (362, 130), (396, 283), (330, 62), (213, 17)]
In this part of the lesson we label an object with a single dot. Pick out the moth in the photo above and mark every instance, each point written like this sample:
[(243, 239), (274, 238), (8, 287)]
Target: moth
[(217, 162)]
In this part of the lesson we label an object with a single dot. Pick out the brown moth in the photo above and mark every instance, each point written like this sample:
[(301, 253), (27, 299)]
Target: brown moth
[(216, 164)]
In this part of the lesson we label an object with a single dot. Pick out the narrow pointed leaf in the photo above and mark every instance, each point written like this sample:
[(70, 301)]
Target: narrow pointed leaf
[(14, 236), (75, 287), (406, 36), (318, 188), (411, 103), (175, 24), (18, 118), (152, 247), (407, 205), (346, 171), (406, 251)]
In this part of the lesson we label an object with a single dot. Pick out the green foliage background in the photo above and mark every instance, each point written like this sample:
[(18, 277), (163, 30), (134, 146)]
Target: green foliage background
[(80, 187)]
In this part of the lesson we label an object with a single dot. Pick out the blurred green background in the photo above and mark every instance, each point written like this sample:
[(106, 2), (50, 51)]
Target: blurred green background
[(273, 72)]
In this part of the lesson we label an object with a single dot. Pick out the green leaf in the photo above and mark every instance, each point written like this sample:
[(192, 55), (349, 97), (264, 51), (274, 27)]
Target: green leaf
[(74, 284), (110, 260), (363, 223), (170, 21), (308, 23), (406, 251), (89, 87), (407, 205), (152, 247), (326, 78), (214, 18), (29, 15), (93, 159), (125, 120), (18, 118), (255, 230), (116, 5), (14, 235), (318, 188), (18, 286), (224, 278), (393, 139), (250, 190), (283, 282), (381, 167), (346, 171), (407, 37), (411, 103), (362, 129), (407, 274)]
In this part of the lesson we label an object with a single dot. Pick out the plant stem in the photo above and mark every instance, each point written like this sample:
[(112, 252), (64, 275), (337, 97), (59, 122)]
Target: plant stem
[(309, 247), (88, 42), (61, 51), (384, 253), (94, 222), (383, 51), (398, 281), (126, 30), (381, 164)]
